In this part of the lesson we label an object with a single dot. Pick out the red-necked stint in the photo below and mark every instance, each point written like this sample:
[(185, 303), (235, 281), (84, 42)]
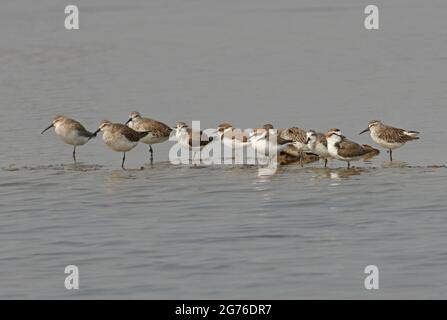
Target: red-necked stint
[(190, 139), (343, 149), (231, 137), (267, 142), (317, 144)]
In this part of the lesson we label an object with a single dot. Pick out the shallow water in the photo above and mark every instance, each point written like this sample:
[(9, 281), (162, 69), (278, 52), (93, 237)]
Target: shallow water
[(179, 231)]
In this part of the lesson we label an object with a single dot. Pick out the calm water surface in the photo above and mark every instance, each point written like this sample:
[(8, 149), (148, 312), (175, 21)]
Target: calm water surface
[(221, 231)]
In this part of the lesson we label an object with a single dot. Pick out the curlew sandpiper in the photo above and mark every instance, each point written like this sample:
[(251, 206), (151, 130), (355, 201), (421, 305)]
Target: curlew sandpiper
[(158, 132), (389, 137), (71, 132), (119, 137)]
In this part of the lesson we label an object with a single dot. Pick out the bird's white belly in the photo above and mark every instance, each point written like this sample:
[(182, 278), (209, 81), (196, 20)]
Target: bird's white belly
[(333, 152), (384, 143), (267, 148), (233, 143), (183, 141), (71, 137), (321, 151), (260, 146), (118, 143)]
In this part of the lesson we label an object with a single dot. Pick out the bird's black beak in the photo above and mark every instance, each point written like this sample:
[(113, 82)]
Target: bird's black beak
[(130, 119), (94, 134), (47, 129), (307, 141), (366, 130)]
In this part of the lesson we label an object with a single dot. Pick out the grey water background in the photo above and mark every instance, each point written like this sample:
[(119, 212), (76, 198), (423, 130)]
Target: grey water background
[(221, 232)]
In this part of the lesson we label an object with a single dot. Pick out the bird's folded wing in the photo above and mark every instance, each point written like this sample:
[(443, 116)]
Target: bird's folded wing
[(396, 135), (349, 149)]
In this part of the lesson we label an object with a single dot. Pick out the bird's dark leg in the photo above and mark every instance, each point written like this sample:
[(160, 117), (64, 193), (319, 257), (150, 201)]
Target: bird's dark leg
[(124, 159), (325, 163), (74, 154), (391, 155), (349, 165), (152, 154)]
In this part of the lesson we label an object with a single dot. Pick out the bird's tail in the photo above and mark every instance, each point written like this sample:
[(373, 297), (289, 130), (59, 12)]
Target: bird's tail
[(413, 134), (370, 152)]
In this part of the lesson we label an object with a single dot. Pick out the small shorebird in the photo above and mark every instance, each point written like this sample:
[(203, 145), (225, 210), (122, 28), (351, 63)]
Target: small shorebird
[(231, 137), (157, 131), (267, 142), (191, 139), (317, 144), (71, 132), (389, 137), (297, 135), (119, 137), (344, 149), (299, 138)]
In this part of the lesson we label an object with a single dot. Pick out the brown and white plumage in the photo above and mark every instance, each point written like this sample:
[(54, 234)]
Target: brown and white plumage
[(389, 137), (232, 137), (370, 152), (70, 131), (191, 139), (269, 132), (297, 135), (317, 144), (286, 158), (343, 149), (268, 142), (198, 136), (119, 137), (157, 132), (298, 138)]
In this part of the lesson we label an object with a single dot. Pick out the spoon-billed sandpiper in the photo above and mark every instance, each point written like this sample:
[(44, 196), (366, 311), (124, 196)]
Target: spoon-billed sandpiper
[(190, 139), (71, 132), (231, 137), (158, 132), (389, 137), (119, 137), (317, 143), (343, 149)]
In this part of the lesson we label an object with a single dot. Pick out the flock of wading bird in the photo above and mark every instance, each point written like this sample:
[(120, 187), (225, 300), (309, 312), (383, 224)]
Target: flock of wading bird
[(289, 145)]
